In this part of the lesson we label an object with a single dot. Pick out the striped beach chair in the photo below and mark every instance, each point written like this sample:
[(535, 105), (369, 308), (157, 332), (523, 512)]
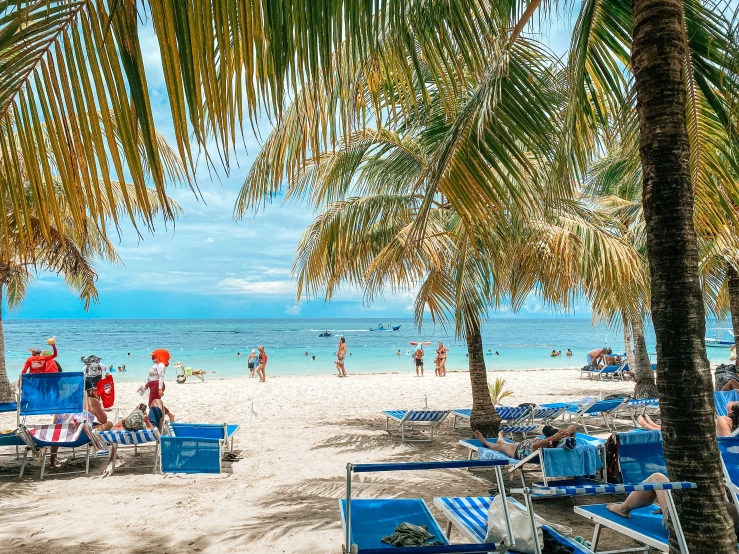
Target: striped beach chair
[(515, 419), (544, 415), (603, 409), (405, 420), (131, 440)]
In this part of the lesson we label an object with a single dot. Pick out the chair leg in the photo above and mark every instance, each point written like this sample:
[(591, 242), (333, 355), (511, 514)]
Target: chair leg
[(23, 463), (596, 538), (402, 434), (87, 461), (43, 462)]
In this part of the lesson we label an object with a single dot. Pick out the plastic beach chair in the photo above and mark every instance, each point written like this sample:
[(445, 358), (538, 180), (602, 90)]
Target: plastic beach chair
[(124, 439), (366, 521), (190, 455), (224, 432), (408, 419), (644, 526), (470, 517), (601, 408), (51, 394), (640, 455), (636, 407), (545, 414), (729, 448)]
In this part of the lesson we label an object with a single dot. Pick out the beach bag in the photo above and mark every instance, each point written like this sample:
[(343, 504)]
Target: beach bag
[(520, 525), (724, 374), (613, 475), (135, 421)]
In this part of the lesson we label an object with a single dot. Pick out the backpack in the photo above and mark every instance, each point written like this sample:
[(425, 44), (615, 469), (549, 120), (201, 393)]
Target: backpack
[(724, 374), (92, 366), (135, 421), (613, 474)]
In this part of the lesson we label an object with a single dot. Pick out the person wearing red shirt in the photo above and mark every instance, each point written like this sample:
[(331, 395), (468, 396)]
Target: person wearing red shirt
[(37, 363)]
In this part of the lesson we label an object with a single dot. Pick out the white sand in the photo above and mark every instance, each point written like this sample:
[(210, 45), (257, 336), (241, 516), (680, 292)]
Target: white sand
[(283, 496)]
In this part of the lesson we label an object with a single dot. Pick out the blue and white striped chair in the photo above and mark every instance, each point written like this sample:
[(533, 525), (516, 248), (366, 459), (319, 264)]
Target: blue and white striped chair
[(544, 415), (470, 517), (515, 419), (636, 407), (603, 409), (131, 439), (408, 419)]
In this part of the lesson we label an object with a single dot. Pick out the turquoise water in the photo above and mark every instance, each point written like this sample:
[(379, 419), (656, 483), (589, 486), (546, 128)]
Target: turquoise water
[(213, 344)]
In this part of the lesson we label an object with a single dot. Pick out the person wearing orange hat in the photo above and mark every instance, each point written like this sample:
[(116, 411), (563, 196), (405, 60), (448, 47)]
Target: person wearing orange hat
[(155, 382)]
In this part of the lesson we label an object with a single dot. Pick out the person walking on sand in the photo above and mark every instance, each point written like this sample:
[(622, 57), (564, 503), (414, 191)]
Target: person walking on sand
[(418, 357), (340, 356), (262, 367), (441, 360), (251, 362)]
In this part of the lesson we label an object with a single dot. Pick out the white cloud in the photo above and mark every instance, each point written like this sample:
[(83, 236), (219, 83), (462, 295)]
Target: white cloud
[(294, 309), (210, 239), (242, 286)]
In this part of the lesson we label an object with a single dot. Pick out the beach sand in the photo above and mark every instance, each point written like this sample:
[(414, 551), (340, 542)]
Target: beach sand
[(283, 495)]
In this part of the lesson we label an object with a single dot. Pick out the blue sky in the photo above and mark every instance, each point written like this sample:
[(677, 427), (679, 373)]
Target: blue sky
[(209, 266)]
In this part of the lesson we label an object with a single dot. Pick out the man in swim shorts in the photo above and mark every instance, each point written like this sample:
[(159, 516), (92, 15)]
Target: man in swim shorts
[(523, 449), (418, 357)]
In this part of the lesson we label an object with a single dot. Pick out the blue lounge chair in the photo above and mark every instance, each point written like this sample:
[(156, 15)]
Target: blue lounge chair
[(640, 455), (470, 517), (644, 525), (636, 407), (408, 419), (224, 431), (599, 409), (545, 414), (515, 419), (366, 521), (557, 465), (729, 448), (52, 394), (722, 398), (190, 455)]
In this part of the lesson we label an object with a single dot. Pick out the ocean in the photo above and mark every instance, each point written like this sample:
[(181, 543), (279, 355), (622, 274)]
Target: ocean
[(213, 345)]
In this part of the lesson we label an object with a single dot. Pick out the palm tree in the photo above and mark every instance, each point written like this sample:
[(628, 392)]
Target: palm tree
[(371, 191)]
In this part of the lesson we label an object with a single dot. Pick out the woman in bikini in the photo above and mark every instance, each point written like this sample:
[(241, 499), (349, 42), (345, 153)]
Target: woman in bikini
[(523, 449), (340, 355), (440, 360)]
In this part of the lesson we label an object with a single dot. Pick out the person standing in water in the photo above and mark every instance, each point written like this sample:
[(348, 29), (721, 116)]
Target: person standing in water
[(340, 356), (262, 367), (251, 362)]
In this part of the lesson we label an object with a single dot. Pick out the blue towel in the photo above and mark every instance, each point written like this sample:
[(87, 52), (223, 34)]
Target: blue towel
[(582, 460), (487, 454)]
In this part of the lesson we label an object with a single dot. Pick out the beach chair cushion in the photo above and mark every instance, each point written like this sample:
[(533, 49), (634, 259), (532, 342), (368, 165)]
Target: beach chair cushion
[(66, 435), (190, 455), (372, 519), (582, 460), (545, 414), (51, 393), (640, 455), (421, 416), (464, 413), (130, 437), (729, 448)]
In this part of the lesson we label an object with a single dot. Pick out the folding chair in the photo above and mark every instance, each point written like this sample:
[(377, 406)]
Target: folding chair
[(53, 394), (515, 419), (224, 431), (601, 408), (123, 439), (190, 455)]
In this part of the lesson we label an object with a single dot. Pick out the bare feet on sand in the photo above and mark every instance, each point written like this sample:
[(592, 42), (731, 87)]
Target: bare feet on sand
[(618, 509)]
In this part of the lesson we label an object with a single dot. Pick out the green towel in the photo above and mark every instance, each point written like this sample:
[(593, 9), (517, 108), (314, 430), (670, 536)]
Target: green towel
[(407, 534)]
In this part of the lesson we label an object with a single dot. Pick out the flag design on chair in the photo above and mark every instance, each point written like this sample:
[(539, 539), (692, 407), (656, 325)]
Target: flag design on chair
[(61, 432)]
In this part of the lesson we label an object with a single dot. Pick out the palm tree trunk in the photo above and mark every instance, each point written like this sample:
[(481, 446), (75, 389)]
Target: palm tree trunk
[(643, 375), (658, 55), (484, 418), (6, 392), (732, 282), (627, 341)]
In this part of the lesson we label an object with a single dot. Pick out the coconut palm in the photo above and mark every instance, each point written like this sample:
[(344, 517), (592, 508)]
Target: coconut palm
[(374, 187)]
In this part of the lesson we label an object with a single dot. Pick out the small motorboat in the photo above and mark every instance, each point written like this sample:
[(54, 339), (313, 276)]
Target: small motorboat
[(396, 327), (325, 334), (721, 340)]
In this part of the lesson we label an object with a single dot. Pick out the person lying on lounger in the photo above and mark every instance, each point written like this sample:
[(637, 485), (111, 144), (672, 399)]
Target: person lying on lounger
[(642, 499), (523, 449), (647, 424), (726, 425)]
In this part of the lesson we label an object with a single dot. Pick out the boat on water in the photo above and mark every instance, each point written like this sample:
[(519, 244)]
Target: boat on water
[(325, 334), (382, 327), (721, 340)]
